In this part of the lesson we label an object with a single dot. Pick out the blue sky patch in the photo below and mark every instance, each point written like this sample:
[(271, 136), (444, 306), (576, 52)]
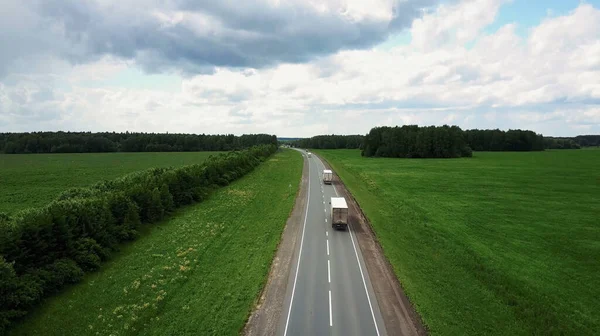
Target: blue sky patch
[(133, 78), (530, 13), (402, 38)]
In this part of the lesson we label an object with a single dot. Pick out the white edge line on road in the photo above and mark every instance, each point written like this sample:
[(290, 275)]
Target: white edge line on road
[(299, 254), (330, 315), (360, 268), (328, 272), (364, 282), (327, 240)]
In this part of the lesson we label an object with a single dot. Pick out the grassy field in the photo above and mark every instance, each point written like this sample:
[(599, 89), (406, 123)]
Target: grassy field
[(196, 274), (499, 244), (29, 180)]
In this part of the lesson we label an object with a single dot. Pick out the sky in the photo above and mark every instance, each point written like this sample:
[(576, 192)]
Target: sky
[(299, 68)]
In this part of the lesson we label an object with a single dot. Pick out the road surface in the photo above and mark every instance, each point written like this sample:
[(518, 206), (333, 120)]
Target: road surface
[(329, 291)]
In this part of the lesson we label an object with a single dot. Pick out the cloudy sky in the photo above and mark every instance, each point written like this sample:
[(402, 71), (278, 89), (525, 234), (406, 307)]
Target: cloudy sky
[(299, 67)]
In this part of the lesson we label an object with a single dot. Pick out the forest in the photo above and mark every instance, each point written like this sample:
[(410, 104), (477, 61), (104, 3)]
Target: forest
[(331, 142), (477, 140), (87, 142), (497, 140), (412, 141), (587, 140), (560, 143)]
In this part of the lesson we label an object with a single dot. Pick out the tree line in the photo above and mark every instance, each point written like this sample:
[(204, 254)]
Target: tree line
[(560, 143), (497, 140), (402, 141), (587, 140), (331, 142), (87, 142), (43, 249), (412, 141)]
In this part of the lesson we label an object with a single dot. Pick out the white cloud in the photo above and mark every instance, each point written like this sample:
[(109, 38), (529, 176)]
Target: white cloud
[(454, 24), (547, 81)]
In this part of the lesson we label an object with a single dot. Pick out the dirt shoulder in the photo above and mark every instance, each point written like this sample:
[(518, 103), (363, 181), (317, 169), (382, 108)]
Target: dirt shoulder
[(266, 315), (398, 314)]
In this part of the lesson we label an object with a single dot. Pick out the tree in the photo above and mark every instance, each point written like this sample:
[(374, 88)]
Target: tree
[(330, 142), (412, 141), (497, 140), (87, 142)]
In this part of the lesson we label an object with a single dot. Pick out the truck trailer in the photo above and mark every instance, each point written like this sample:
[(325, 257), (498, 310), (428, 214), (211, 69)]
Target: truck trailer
[(327, 176), (339, 213)]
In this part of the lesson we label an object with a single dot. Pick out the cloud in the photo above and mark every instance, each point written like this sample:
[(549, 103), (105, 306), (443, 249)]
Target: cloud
[(454, 24), (546, 81), (195, 36)]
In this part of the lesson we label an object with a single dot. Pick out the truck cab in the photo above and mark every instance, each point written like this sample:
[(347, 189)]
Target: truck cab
[(339, 213), (308, 154), (327, 176)]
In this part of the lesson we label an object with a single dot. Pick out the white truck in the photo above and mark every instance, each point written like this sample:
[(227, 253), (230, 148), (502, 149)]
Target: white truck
[(327, 176), (339, 213), (308, 154)]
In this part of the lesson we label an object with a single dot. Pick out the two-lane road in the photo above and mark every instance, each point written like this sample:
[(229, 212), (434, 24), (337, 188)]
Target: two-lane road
[(329, 291)]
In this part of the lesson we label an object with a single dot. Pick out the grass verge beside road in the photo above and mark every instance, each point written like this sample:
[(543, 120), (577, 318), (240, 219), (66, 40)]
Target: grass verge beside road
[(198, 273), (499, 244), (32, 180)]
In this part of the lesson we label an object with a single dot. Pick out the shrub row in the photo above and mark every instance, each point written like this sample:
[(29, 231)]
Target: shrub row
[(43, 249)]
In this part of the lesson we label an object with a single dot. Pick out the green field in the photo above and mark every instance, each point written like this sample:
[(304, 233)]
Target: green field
[(198, 273), (29, 180), (498, 244)]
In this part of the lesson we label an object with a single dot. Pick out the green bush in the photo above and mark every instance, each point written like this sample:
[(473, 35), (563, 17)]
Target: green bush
[(166, 198), (412, 141), (466, 151), (88, 254), (154, 208), (87, 217), (66, 271), (17, 294), (126, 215), (32, 242), (4, 218), (58, 274), (8, 294), (44, 249)]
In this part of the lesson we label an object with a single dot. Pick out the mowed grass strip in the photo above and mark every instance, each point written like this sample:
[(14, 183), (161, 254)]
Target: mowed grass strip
[(31, 180), (498, 244), (198, 273)]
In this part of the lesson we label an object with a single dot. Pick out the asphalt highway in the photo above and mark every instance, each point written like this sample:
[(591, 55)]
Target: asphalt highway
[(329, 291)]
